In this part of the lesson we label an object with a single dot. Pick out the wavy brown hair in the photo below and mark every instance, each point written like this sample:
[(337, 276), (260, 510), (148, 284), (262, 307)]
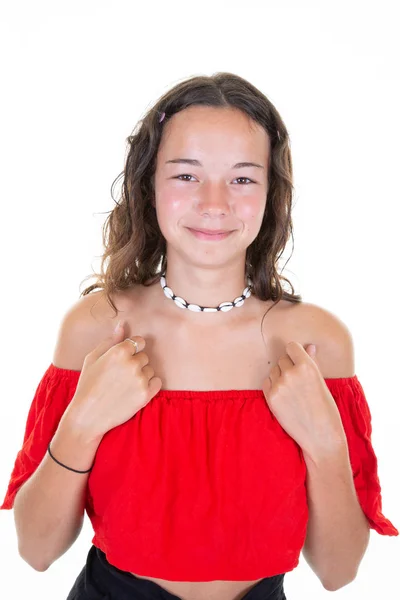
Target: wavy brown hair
[(134, 247)]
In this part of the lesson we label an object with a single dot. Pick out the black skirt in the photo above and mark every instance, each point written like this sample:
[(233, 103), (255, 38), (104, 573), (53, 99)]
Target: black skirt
[(99, 580)]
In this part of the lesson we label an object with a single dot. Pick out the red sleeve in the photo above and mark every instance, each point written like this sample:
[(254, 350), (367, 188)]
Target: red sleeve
[(356, 418), (51, 398)]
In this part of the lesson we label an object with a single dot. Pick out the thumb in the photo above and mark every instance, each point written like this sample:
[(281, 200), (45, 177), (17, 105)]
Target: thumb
[(116, 337), (118, 331), (311, 350)]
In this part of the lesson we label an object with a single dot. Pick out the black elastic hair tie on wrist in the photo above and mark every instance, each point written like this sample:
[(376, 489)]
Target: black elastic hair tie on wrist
[(65, 466)]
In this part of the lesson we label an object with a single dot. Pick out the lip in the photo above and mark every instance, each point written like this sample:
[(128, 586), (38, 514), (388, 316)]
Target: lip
[(210, 231), (206, 234)]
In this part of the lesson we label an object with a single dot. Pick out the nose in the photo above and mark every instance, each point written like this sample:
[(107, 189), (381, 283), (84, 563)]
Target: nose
[(213, 201)]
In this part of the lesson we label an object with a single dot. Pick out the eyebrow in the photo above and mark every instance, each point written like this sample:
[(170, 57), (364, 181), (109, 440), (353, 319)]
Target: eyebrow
[(197, 163)]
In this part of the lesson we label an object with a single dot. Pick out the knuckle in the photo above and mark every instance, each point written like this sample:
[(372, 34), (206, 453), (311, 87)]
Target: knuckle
[(304, 368), (149, 371), (143, 358), (118, 351)]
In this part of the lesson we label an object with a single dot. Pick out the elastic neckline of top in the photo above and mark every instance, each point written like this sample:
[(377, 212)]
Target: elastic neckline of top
[(249, 393)]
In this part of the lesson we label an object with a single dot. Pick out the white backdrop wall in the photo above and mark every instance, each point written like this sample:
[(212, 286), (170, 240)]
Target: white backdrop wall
[(77, 76)]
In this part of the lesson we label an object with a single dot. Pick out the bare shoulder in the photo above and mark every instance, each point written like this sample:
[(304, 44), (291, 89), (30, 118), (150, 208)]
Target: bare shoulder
[(85, 324), (322, 317), (325, 321), (331, 335)]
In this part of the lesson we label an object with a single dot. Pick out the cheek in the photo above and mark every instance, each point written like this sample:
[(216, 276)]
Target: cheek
[(251, 212), (170, 203), (169, 207)]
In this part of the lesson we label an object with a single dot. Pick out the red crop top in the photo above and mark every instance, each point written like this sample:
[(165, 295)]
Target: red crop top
[(201, 485)]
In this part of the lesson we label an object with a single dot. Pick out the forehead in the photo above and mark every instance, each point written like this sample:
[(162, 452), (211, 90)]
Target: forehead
[(213, 129)]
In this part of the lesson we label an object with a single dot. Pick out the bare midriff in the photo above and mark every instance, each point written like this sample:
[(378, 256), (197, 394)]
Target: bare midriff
[(204, 590)]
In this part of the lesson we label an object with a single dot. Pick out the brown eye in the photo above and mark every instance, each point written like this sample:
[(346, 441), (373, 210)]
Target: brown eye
[(184, 175), (246, 178)]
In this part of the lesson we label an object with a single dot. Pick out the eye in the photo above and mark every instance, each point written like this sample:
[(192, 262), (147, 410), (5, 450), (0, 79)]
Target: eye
[(184, 175), (246, 178), (187, 175)]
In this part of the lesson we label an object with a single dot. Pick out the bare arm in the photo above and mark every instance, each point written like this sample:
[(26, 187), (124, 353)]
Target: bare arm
[(49, 507)]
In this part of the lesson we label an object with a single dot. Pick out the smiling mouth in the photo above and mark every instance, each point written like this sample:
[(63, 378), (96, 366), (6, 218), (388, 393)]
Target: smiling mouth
[(209, 235), (210, 231)]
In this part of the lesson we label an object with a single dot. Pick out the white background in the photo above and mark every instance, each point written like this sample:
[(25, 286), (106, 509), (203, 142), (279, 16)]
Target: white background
[(77, 76)]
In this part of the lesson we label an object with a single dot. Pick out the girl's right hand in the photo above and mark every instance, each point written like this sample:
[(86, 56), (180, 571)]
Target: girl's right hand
[(115, 383)]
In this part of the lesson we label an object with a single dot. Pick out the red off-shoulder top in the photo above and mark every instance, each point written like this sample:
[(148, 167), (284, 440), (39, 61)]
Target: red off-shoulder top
[(201, 485)]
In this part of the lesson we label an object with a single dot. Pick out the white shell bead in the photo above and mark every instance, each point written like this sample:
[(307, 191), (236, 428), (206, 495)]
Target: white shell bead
[(225, 306), (163, 281), (168, 292), (210, 310), (194, 307), (247, 292), (238, 301), (180, 302)]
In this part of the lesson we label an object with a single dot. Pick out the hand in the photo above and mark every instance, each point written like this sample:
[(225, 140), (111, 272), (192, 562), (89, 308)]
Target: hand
[(113, 386), (299, 398)]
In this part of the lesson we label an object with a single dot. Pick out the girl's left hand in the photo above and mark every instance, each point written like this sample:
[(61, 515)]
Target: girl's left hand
[(299, 398)]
